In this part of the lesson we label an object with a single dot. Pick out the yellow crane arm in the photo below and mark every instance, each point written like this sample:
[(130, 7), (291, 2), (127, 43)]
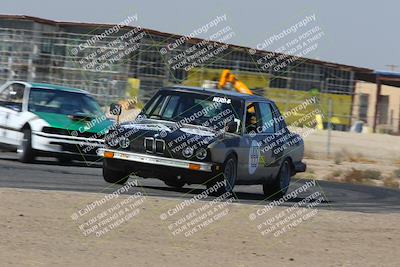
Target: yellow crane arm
[(228, 77)]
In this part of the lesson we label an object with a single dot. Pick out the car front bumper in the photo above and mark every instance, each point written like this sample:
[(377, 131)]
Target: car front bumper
[(156, 160), (62, 144)]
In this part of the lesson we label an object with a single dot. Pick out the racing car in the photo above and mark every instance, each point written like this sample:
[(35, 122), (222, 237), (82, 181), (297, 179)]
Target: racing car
[(189, 135), (39, 119)]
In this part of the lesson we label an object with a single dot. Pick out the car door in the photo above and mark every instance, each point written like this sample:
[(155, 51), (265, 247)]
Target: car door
[(11, 105), (4, 111), (252, 160), (3, 114), (271, 152), (283, 136)]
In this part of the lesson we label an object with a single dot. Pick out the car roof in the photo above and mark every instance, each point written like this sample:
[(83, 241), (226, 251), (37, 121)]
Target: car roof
[(216, 92), (53, 87), (58, 87)]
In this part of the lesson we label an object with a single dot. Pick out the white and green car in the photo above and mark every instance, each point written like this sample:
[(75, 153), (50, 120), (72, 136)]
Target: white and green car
[(44, 119)]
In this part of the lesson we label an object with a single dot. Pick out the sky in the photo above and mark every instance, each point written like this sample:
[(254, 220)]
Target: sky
[(359, 33)]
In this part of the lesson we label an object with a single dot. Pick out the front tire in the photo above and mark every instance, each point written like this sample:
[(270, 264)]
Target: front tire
[(227, 176), (114, 177), (174, 182), (25, 151), (279, 186)]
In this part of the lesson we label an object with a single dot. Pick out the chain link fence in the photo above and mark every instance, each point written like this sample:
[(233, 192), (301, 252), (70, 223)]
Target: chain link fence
[(45, 55)]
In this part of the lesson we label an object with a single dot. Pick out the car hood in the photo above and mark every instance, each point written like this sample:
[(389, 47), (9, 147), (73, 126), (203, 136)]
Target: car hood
[(165, 128), (62, 121), (176, 136)]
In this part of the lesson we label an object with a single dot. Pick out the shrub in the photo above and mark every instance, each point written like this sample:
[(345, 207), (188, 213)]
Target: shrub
[(372, 174), (359, 176), (391, 182), (338, 158)]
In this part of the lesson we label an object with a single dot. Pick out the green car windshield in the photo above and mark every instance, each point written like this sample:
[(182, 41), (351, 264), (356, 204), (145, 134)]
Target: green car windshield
[(62, 102)]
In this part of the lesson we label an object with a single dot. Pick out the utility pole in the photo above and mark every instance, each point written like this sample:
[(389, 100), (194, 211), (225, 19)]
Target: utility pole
[(328, 143)]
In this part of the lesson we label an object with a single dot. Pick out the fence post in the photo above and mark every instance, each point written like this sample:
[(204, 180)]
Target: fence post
[(328, 143)]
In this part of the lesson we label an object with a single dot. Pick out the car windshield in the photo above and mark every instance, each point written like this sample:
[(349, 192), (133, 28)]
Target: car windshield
[(198, 109), (62, 102)]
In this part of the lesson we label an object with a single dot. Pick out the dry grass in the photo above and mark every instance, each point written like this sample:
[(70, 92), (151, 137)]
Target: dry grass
[(309, 155), (368, 177), (338, 158), (359, 157), (336, 173), (391, 182), (361, 176), (345, 155), (354, 176)]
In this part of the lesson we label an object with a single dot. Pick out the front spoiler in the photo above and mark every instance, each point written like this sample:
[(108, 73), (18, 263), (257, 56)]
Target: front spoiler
[(157, 160)]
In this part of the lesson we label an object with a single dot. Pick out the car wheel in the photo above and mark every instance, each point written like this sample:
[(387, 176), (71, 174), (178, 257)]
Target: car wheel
[(174, 182), (279, 186), (228, 176), (114, 177), (25, 151)]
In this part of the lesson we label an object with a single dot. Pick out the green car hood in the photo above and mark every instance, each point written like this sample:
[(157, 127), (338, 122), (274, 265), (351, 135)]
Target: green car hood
[(95, 125)]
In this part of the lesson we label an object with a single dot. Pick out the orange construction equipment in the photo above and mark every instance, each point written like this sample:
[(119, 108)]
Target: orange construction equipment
[(228, 78)]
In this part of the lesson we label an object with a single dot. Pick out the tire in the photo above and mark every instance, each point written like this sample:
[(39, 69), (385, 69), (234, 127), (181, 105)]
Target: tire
[(25, 151), (114, 177), (228, 176), (279, 186), (174, 182)]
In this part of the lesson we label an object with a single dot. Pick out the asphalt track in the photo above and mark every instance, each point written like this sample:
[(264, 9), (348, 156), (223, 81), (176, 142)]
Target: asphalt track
[(48, 174)]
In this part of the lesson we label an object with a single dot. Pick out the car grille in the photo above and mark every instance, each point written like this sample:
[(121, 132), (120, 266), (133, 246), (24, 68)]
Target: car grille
[(153, 145)]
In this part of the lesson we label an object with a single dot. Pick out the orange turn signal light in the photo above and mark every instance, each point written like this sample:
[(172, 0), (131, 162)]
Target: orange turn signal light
[(194, 167), (108, 154)]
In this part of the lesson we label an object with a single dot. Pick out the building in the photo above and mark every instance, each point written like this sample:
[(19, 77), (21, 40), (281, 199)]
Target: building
[(67, 53), (377, 101)]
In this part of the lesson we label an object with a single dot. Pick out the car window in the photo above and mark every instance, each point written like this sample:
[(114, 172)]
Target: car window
[(282, 124), (198, 109), (253, 120), (12, 96), (267, 118), (62, 102), (170, 107)]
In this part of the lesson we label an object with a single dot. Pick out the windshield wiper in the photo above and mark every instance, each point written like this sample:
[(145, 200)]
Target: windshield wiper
[(81, 116), (155, 117)]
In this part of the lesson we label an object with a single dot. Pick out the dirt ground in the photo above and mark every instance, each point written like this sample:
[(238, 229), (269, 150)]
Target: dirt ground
[(377, 156), (36, 229)]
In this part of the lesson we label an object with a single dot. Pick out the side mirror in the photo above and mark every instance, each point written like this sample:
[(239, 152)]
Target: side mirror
[(115, 109), (231, 127)]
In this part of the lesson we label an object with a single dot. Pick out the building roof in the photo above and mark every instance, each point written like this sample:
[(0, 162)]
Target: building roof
[(385, 77)]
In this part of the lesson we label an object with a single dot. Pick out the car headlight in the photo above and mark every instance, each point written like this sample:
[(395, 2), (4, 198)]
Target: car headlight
[(111, 140), (201, 154), (112, 143), (188, 152), (124, 142)]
